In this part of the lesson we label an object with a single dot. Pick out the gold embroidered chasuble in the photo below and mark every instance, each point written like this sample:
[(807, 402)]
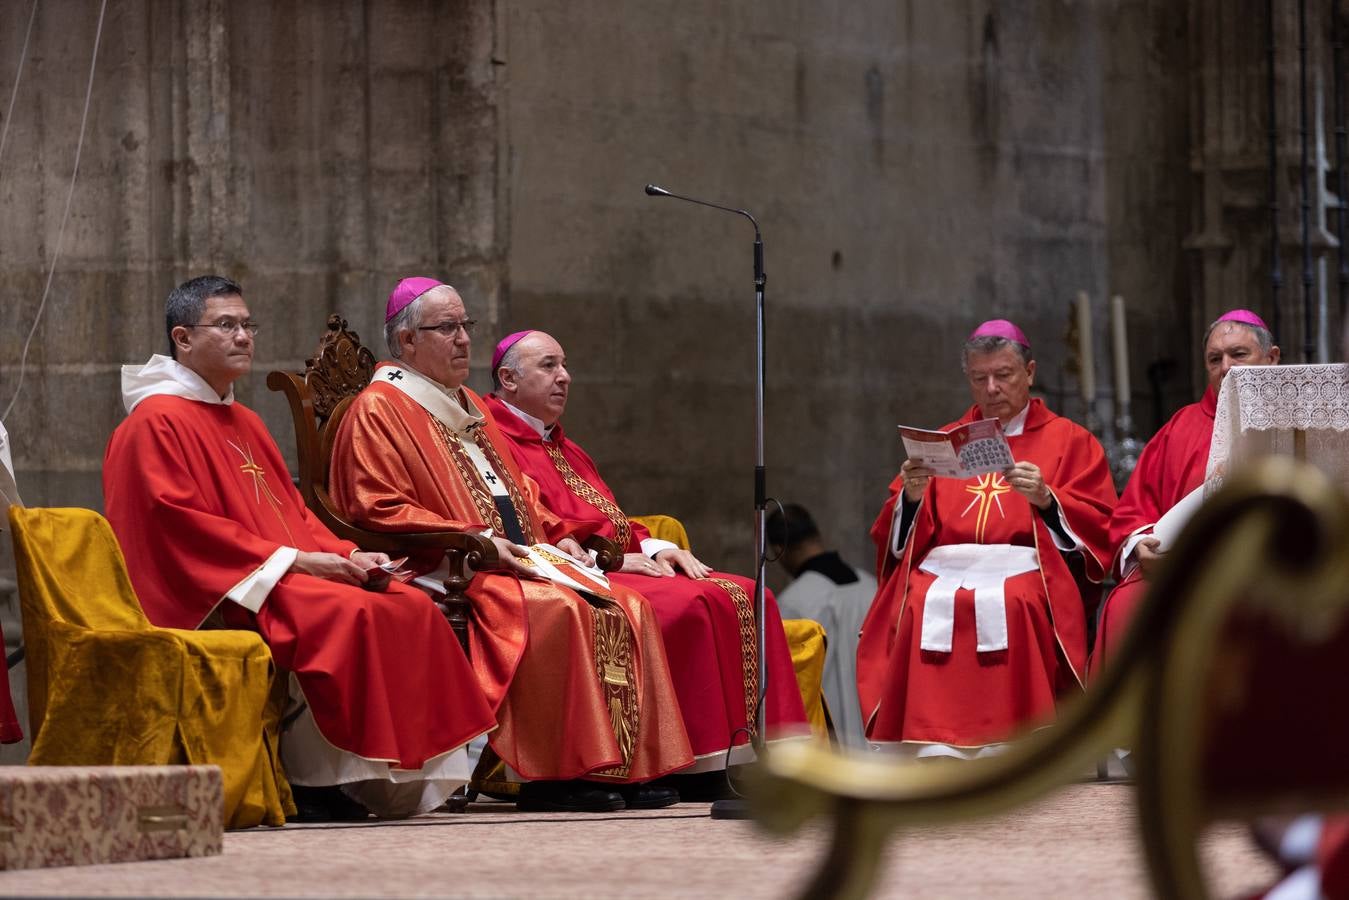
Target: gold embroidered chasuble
[(582, 685)]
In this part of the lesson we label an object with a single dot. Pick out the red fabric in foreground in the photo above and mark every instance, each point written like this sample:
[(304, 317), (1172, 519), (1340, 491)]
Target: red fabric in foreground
[(199, 498)]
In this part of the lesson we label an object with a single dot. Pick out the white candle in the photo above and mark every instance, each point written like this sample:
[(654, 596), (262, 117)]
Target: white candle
[(1085, 357), (1120, 335)]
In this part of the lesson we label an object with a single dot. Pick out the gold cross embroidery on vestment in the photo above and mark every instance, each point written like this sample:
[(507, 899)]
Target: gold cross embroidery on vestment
[(987, 490)]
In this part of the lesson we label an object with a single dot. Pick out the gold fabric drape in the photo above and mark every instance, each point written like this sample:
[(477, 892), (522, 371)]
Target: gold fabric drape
[(105, 687)]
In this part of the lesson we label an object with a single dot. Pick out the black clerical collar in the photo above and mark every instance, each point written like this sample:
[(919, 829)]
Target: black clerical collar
[(831, 566)]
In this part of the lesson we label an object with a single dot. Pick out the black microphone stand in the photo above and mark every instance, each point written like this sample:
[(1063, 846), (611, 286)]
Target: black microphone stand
[(736, 808)]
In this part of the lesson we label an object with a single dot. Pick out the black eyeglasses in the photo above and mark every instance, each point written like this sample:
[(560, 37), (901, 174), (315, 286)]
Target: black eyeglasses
[(228, 327), (449, 329)]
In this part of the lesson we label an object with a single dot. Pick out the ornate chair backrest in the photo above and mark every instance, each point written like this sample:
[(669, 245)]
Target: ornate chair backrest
[(336, 374), (318, 399)]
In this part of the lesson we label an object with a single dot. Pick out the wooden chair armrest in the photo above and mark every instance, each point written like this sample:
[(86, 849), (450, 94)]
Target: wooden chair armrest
[(478, 551), (608, 554)]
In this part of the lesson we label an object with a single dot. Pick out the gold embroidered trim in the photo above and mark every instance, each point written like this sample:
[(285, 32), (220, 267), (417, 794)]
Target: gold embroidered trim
[(472, 478), (587, 492), (749, 647), (618, 680), (482, 495)]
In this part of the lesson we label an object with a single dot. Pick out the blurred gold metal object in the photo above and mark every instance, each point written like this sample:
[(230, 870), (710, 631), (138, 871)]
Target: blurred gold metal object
[(1276, 539)]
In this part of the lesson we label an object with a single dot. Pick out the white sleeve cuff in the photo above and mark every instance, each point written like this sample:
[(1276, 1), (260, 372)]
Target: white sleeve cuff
[(254, 589), (898, 540), (1126, 562), (1073, 542), (651, 546)]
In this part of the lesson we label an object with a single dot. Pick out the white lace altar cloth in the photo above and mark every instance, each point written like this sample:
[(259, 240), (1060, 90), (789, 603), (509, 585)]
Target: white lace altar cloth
[(1260, 408)]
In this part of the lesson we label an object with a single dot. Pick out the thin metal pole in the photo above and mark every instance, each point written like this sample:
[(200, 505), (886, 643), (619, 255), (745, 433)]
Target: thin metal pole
[(1308, 278), (1275, 263), (760, 498)]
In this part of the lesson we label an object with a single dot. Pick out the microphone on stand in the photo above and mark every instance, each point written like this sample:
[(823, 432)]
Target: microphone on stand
[(736, 809), (653, 190)]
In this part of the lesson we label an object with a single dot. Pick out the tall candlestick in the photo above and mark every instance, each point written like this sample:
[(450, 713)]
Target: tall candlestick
[(1120, 335), (1085, 357)]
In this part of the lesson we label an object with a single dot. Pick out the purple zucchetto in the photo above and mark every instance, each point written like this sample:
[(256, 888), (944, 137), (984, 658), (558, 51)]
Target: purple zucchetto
[(408, 289), (1244, 317), (505, 344), (1003, 329)]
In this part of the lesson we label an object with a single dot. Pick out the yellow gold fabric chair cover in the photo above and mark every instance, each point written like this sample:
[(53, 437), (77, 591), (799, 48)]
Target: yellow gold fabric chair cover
[(105, 687), (808, 644), (805, 637), (665, 528)]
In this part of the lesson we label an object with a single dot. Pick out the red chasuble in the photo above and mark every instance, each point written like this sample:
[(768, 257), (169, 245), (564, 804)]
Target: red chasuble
[(963, 697), (708, 625), (1170, 466), (581, 690), (200, 498)]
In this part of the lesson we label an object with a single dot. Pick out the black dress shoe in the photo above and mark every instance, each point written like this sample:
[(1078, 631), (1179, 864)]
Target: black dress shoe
[(704, 787), (567, 796), (647, 796), (325, 804)]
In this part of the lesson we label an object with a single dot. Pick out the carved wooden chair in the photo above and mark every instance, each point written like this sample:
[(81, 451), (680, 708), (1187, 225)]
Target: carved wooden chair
[(1239, 652), (318, 398)]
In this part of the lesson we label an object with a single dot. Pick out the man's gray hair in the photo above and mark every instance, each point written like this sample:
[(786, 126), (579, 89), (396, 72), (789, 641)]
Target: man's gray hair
[(1262, 335), (991, 343), (509, 360), (409, 318), (187, 302)]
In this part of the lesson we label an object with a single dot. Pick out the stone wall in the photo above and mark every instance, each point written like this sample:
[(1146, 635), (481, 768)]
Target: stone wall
[(313, 151), (916, 167)]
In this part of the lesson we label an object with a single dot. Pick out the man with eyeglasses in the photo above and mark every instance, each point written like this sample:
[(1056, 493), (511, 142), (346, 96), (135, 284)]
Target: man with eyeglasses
[(215, 534), (586, 709), (706, 616), (978, 626)]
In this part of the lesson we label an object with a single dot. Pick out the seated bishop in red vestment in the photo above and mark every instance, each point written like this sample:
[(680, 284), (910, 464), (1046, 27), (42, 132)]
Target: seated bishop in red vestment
[(1171, 466), (706, 617), (978, 626), (580, 684), (215, 534)]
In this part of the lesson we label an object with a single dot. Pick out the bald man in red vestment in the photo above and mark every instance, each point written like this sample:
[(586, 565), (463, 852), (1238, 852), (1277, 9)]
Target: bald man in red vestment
[(587, 714), (706, 617), (215, 534), (1171, 466), (978, 626)]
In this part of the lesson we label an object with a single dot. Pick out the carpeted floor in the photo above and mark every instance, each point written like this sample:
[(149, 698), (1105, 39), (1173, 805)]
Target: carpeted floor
[(1078, 843)]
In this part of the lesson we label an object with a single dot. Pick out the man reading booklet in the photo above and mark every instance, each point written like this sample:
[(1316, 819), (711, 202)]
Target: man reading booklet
[(978, 626)]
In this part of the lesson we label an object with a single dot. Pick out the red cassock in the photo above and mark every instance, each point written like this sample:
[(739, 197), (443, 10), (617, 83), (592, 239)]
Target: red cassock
[(1170, 466), (963, 697), (200, 498), (580, 690), (707, 625), (11, 732)]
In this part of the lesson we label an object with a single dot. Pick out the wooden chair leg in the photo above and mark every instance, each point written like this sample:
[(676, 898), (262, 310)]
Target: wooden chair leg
[(455, 605)]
